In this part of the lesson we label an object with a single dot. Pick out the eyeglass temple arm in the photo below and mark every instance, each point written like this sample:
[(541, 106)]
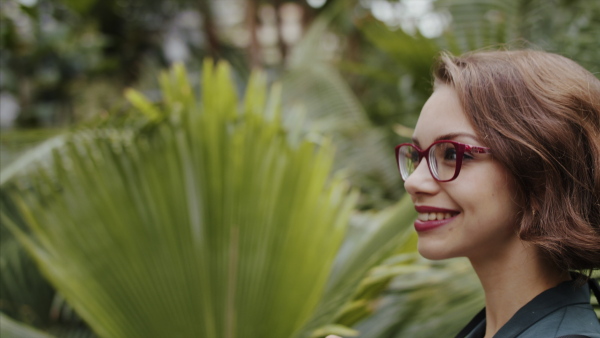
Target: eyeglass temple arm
[(478, 150)]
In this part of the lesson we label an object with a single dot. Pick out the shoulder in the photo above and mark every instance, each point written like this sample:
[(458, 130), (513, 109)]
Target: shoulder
[(560, 311), (579, 319)]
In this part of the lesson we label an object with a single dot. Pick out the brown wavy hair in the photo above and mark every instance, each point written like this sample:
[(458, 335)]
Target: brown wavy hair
[(540, 114)]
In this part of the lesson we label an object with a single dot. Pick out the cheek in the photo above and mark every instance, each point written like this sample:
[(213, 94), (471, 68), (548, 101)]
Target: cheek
[(506, 191), (502, 202), (493, 198)]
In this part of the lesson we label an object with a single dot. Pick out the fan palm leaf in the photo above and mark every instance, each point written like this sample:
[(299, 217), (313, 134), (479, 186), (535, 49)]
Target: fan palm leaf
[(205, 221), (372, 238)]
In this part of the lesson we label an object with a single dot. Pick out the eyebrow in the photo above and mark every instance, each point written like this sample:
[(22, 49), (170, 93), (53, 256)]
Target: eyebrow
[(449, 136)]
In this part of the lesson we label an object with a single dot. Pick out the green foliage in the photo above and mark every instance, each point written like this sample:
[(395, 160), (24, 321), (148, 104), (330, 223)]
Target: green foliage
[(180, 163), (371, 239), (318, 100), (427, 299), (13, 329), (25, 295), (208, 223), (409, 59), (60, 55), (564, 27), (13, 144), (390, 69), (44, 54)]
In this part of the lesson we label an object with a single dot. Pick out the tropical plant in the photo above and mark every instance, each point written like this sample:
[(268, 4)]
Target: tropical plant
[(434, 300), (199, 219), (9, 328), (389, 69)]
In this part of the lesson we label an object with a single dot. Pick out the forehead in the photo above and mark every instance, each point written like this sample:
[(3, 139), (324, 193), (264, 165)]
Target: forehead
[(441, 115)]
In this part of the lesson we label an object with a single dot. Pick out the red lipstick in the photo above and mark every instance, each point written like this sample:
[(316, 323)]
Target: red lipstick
[(421, 226)]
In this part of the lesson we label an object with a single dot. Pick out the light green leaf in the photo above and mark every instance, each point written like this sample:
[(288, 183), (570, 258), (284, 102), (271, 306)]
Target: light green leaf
[(10, 328), (211, 225), (140, 102)]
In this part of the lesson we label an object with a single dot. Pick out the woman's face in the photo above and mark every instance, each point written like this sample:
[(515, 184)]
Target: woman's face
[(475, 214)]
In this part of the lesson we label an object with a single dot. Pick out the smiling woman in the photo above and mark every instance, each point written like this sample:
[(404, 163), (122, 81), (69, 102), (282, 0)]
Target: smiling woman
[(511, 181)]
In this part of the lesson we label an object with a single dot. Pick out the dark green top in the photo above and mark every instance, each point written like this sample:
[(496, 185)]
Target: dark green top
[(561, 311)]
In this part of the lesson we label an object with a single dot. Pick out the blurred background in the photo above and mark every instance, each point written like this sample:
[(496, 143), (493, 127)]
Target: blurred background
[(64, 62), (357, 71)]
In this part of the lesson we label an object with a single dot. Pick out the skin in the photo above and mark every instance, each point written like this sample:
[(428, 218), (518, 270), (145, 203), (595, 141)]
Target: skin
[(511, 271)]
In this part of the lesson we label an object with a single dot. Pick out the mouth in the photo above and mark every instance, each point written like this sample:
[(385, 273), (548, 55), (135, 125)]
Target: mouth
[(432, 217)]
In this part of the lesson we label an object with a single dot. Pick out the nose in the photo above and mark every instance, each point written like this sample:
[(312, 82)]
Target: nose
[(420, 181)]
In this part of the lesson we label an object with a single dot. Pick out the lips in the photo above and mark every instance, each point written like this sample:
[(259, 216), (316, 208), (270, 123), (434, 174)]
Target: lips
[(432, 217)]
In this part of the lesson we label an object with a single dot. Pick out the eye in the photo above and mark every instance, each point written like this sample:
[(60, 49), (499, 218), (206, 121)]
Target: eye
[(450, 154), (414, 156)]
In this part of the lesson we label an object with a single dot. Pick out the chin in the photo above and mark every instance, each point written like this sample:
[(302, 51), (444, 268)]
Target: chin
[(433, 253)]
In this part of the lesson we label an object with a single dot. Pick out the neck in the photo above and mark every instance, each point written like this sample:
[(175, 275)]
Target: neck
[(512, 279)]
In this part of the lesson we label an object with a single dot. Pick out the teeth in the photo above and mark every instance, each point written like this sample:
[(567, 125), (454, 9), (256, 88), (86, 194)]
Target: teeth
[(433, 216)]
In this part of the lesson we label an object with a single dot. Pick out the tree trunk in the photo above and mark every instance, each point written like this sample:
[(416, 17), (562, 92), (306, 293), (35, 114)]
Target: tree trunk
[(210, 30), (278, 25), (252, 24)]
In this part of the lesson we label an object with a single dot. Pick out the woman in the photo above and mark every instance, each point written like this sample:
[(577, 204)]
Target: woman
[(511, 180)]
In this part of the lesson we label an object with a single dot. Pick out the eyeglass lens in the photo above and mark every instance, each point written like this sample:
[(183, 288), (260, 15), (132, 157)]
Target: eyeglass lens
[(441, 159)]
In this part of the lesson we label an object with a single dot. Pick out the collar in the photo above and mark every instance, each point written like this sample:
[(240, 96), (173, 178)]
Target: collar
[(565, 294)]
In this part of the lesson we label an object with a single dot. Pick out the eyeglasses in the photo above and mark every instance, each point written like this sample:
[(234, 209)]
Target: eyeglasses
[(444, 158)]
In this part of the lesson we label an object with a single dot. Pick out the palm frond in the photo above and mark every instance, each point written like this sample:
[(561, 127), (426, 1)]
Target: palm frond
[(24, 294), (9, 328), (372, 238), (205, 222)]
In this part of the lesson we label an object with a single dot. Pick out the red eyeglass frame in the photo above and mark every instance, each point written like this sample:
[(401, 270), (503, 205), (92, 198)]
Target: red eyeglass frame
[(461, 148)]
